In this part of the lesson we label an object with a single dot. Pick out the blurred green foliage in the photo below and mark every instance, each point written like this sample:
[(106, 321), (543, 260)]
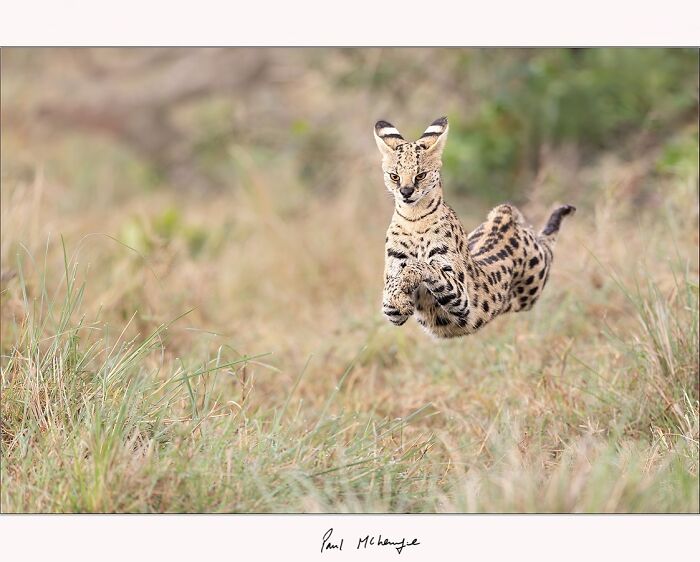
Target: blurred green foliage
[(595, 99), (507, 105), (680, 155), (168, 229)]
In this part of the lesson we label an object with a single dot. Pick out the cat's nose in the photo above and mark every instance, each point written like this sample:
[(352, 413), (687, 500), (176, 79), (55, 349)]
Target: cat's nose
[(407, 191)]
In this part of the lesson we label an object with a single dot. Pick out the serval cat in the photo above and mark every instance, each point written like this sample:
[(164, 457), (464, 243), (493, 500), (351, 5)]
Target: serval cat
[(454, 283)]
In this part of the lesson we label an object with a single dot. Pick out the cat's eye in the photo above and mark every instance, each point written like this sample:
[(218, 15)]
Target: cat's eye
[(421, 176), (394, 177)]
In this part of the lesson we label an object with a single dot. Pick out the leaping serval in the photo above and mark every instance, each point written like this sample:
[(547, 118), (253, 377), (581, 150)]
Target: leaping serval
[(454, 283)]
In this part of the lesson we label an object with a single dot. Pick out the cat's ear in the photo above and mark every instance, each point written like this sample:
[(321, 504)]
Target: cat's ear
[(387, 137), (434, 138)]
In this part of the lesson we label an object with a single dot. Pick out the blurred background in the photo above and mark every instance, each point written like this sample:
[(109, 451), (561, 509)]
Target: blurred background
[(152, 118), (194, 156), (243, 187)]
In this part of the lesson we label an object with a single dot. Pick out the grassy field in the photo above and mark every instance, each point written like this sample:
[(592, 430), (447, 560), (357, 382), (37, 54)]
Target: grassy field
[(173, 351)]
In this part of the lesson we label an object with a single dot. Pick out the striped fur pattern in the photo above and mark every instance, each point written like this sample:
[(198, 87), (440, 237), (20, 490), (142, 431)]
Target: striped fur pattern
[(454, 283)]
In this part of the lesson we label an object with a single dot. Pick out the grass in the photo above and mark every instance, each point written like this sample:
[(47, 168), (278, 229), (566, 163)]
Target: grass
[(252, 371), (169, 350)]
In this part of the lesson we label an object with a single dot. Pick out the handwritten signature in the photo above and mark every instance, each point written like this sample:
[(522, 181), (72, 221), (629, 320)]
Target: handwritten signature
[(364, 542)]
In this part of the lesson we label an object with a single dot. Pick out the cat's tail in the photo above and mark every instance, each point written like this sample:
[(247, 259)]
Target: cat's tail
[(551, 229)]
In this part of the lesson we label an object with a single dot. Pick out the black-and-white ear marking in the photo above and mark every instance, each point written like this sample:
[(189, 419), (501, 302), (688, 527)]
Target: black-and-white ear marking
[(435, 134), (387, 135)]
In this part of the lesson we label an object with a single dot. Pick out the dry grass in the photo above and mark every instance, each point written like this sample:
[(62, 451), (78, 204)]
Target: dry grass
[(164, 350), (112, 400)]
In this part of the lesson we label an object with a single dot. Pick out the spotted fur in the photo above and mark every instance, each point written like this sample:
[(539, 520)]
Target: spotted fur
[(452, 282)]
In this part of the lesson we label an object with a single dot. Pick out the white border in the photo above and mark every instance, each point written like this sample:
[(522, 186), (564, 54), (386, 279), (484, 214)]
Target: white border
[(287, 537), (358, 22), (351, 22)]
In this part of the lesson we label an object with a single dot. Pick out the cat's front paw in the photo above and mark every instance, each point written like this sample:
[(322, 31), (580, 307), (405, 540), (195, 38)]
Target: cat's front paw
[(402, 303), (410, 277)]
